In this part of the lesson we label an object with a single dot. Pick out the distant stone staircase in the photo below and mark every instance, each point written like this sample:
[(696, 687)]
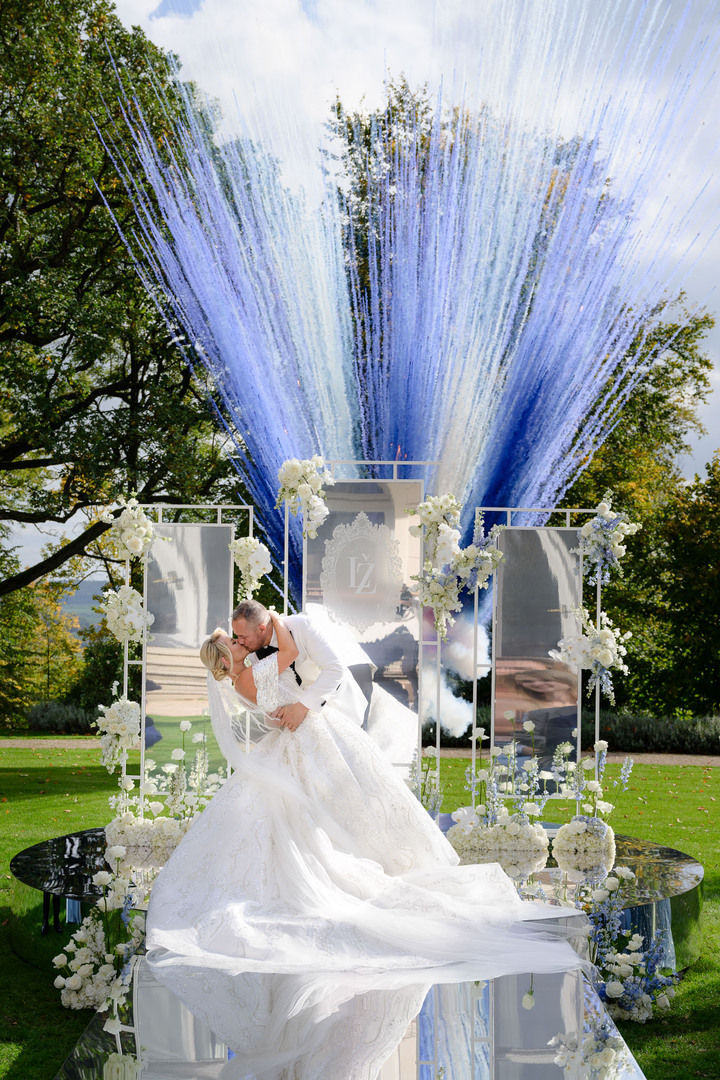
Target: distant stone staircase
[(176, 682)]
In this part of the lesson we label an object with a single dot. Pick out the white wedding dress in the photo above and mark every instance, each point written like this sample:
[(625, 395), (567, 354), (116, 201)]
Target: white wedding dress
[(314, 857)]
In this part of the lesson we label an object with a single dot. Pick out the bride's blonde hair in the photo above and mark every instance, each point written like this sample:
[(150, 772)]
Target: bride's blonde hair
[(212, 652)]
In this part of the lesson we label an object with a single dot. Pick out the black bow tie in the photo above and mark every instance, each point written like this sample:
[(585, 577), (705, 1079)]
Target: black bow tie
[(268, 650)]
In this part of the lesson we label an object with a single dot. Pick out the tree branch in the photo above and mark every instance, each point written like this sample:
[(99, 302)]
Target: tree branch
[(74, 547)]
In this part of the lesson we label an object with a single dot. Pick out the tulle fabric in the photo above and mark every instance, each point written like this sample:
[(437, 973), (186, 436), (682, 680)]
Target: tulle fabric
[(314, 856)]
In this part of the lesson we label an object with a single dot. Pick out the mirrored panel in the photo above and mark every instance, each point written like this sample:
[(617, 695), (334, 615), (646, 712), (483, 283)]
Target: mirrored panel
[(538, 585), (358, 574), (189, 592)]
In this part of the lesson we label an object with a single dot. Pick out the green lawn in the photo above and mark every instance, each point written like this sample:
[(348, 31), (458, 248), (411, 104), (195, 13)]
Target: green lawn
[(49, 792)]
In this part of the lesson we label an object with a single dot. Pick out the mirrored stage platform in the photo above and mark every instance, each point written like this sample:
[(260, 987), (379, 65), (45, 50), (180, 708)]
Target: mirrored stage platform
[(282, 1027)]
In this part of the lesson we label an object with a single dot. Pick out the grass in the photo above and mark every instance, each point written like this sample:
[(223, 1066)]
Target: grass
[(48, 792)]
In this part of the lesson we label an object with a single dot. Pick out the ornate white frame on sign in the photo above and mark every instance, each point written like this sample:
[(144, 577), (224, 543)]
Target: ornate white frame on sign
[(337, 604)]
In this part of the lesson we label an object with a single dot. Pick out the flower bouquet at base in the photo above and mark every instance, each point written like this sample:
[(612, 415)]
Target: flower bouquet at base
[(148, 841), (512, 840), (583, 843), (122, 1067), (96, 967)]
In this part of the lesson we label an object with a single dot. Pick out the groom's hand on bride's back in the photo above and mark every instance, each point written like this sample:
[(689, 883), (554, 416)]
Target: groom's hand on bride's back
[(292, 715)]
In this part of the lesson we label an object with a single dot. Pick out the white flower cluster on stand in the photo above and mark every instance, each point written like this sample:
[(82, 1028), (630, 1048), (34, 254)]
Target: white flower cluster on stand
[(448, 568), (132, 532), (599, 650), (601, 541), (302, 488), (124, 614), (253, 561), (95, 970), (119, 727)]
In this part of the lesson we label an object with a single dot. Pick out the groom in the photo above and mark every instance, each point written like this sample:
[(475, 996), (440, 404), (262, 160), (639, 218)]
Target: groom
[(253, 628)]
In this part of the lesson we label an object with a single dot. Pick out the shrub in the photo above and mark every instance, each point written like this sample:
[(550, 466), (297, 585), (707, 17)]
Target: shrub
[(631, 733), (61, 717)]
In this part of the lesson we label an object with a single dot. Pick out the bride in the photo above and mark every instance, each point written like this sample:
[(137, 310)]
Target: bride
[(315, 856)]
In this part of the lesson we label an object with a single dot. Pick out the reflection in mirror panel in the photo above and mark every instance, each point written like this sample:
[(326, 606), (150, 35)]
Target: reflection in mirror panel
[(358, 574), (274, 1026), (538, 585), (189, 591)]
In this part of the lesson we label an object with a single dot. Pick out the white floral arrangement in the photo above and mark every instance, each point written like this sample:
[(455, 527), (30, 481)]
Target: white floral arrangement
[(147, 842), (150, 836), (631, 979), (595, 1054), (119, 727), (424, 780), (512, 840), (601, 541), (580, 864), (253, 561), (124, 614), (449, 569), (302, 486), (96, 967), (132, 532), (584, 843), (599, 650), (121, 1066)]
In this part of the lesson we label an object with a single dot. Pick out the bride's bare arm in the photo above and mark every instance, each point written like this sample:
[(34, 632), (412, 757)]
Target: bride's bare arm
[(287, 649)]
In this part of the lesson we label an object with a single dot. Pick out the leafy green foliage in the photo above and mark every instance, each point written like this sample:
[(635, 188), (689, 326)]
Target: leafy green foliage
[(95, 399)]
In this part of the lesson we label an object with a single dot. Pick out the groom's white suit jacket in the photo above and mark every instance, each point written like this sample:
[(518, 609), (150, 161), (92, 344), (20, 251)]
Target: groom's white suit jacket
[(324, 676)]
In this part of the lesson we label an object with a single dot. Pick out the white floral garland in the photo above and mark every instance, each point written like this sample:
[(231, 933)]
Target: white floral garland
[(448, 568), (301, 487), (253, 561), (124, 614), (601, 541), (132, 532), (599, 650), (119, 727)]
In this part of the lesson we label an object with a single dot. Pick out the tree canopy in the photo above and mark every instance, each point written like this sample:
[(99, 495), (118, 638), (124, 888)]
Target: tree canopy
[(95, 398)]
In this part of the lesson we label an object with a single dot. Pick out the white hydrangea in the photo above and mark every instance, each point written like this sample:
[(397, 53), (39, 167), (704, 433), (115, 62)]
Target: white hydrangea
[(132, 532), (124, 614), (302, 487), (253, 561), (119, 727)]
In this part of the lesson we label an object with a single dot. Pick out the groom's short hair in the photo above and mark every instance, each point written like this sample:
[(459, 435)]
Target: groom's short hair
[(253, 612)]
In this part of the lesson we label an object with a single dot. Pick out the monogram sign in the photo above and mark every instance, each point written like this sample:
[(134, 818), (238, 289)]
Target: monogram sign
[(361, 577)]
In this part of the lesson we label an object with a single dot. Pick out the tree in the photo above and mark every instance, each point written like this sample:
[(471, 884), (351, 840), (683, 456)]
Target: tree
[(667, 596), (95, 399)]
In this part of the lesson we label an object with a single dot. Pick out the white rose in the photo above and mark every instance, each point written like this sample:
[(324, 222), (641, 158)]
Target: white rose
[(599, 746), (185, 725), (600, 894), (115, 852), (611, 883), (528, 1001), (528, 726), (662, 1001), (594, 786), (588, 763), (102, 878), (178, 754), (60, 960), (614, 989), (73, 983), (59, 983)]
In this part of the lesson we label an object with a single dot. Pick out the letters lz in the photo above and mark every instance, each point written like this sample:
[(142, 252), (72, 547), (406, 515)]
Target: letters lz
[(362, 579)]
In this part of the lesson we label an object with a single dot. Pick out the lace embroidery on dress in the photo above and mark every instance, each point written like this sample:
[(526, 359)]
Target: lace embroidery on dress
[(265, 674)]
